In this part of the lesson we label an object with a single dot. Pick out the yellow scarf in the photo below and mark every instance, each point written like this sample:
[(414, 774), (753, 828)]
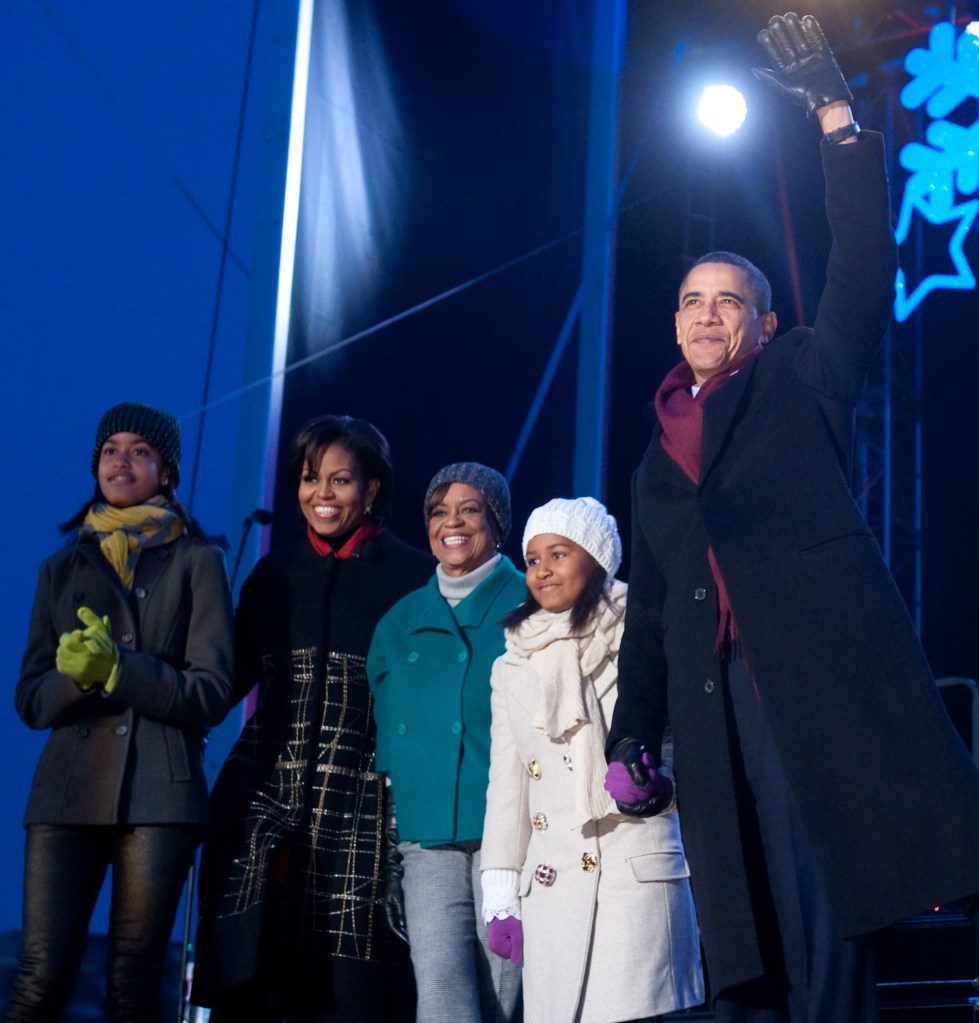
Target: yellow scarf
[(123, 532)]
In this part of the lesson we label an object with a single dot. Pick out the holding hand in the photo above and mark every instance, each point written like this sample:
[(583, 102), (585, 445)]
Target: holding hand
[(506, 938), (89, 656), (392, 871), (805, 69), (634, 783), (393, 904)]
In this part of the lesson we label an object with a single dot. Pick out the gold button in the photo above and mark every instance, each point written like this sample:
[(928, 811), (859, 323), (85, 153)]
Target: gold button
[(540, 822), (533, 769), (588, 862)]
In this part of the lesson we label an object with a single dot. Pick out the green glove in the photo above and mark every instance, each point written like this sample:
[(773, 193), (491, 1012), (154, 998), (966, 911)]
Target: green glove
[(89, 656), (71, 656)]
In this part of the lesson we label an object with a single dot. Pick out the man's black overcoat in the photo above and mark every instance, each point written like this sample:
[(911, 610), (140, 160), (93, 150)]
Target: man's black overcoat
[(888, 793)]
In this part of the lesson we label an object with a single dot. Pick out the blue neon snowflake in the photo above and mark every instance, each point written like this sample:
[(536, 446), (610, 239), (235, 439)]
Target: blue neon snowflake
[(945, 75), (946, 168)]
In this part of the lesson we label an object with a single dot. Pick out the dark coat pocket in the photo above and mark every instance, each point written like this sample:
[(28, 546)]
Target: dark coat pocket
[(835, 537), (177, 754), (50, 788)]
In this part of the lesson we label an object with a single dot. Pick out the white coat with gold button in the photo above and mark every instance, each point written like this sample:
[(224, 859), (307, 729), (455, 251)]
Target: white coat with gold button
[(614, 937)]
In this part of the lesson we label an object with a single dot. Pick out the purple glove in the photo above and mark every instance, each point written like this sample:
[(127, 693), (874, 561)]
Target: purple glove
[(620, 786), (506, 938), (634, 783)]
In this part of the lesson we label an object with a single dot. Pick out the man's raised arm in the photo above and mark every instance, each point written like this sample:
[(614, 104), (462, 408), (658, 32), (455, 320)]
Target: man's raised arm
[(855, 307)]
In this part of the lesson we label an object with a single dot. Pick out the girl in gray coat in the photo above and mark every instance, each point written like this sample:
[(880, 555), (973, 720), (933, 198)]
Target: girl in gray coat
[(569, 884), (128, 663)]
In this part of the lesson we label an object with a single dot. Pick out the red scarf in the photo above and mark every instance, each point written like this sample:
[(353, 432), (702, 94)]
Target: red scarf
[(360, 536), (681, 415)]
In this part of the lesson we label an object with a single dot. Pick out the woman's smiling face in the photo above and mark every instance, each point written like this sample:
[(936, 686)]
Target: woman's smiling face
[(461, 532), (334, 495)]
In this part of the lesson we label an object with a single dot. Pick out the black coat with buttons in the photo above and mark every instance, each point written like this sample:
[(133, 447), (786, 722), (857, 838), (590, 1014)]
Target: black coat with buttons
[(302, 772), (888, 794), (135, 756)]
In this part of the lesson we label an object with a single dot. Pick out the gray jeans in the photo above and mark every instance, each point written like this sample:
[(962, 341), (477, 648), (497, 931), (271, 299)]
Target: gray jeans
[(458, 979)]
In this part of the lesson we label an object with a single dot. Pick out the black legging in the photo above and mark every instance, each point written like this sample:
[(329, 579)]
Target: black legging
[(65, 868)]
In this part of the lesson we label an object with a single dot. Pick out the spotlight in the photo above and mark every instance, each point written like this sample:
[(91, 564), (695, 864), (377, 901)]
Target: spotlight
[(972, 28), (722, 109)]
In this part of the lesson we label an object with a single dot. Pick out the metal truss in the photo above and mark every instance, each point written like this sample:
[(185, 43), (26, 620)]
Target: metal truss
[(888, 454)]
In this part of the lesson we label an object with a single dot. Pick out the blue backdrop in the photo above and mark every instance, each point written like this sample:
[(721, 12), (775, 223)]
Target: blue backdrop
[(118, 123)]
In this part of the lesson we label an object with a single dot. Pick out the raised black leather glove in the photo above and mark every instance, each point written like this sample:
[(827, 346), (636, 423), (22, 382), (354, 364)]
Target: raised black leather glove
[(392, 871), (804, 69), (638, 789)]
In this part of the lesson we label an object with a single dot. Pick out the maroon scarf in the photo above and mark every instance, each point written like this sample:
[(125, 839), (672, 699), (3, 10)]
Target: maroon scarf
[(681, 415), (360, 536)]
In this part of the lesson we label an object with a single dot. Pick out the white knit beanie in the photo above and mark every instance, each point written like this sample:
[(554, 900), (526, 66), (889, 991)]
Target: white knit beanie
[(583, 520)]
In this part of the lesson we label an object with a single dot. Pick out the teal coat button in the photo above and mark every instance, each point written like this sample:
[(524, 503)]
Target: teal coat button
[(413, 656), (402, 729), (463, 656), (456, 727)]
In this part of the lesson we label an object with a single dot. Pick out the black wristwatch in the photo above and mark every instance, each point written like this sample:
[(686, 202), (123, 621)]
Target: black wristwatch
[(848, 131)]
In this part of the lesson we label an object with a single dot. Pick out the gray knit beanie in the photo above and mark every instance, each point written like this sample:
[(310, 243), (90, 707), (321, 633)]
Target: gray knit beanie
[(155, 426), (583, 520), (491, 484)]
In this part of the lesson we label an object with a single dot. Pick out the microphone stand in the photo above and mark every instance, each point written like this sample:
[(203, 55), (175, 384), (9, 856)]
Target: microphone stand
[(263, 518)]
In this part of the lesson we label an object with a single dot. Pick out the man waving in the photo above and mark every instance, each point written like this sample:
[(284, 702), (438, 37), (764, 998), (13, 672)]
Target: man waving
[(822, 789)]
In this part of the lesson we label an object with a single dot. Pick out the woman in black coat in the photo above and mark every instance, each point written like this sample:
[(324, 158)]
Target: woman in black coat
[(292, 873), (128, 662)]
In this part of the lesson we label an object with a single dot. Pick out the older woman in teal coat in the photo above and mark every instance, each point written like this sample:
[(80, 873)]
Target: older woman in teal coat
[(429, 668)]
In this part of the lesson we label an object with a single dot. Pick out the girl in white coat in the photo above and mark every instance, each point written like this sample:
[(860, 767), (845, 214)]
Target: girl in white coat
[(597, 903)]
